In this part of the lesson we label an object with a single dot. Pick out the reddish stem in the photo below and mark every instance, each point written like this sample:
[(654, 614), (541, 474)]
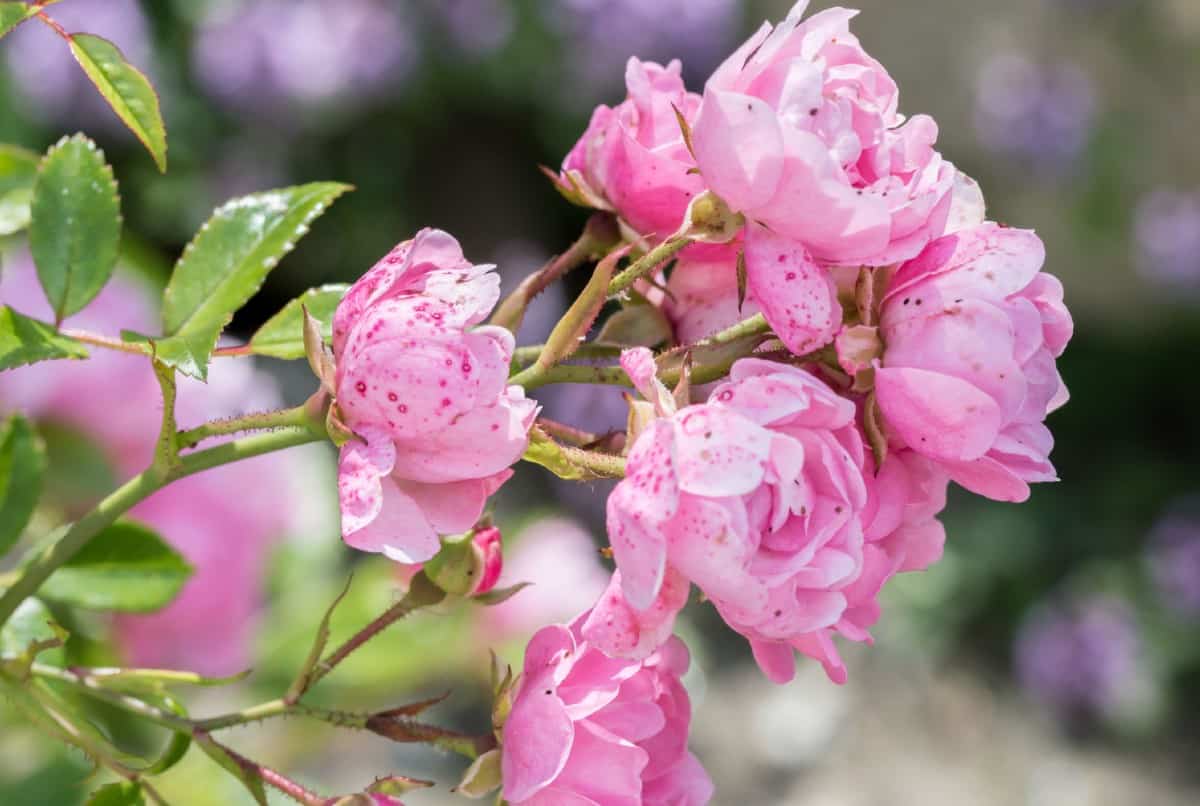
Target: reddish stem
[(58, 29)]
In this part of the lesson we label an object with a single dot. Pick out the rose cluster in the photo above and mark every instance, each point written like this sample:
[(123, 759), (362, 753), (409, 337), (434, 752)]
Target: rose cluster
[(911, 343)]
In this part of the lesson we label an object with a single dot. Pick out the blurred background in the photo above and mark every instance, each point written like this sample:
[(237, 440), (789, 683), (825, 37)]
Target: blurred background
[(1052, 657)]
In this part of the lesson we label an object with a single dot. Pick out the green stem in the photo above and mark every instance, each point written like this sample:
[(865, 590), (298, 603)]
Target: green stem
[(133, 492), (166, 450), (608, 465), (284, 418), (599, 236), (570, 373), (107, 342), (647, 263), (524, 356)]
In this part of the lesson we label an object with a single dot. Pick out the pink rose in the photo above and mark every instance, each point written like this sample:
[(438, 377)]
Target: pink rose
[(426, 393), (971, 329), (758, 496), (586, 729), (799, 130), (633, 157), (901, 533)]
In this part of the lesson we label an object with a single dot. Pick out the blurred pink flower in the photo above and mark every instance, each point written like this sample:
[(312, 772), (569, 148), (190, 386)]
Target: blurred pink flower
[(972, 329), (426, 393), (589, 729), (225, 534), (799, 130), (633, 156), (557, 555)]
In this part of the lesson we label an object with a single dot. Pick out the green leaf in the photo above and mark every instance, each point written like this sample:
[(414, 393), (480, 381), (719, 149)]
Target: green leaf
[(18, 170), (304, 677), (22, 463), (126, 793), (282, 336), (227, 263), (636, 326), (76, 228), (235, 766), (31, 625), (126, 89), (26, 341), (549, 454), (14, 210), (126, 567), (18, 167), (12, 15)]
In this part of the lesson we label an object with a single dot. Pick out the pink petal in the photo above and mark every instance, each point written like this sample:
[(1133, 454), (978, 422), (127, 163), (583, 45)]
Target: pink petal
[(797, 296), (718, 452), (400, 531), (476, 444), (360, 468), (538, 739), (776, 659), (739, 148), (639, 548), (938, 415), (615, 628), (454, 506), (989, 478)]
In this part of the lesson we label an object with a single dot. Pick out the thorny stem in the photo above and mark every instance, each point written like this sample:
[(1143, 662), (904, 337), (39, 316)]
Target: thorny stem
[(137, 489)]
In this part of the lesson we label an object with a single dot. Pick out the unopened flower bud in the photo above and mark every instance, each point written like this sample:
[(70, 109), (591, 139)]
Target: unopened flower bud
[(468, 565)]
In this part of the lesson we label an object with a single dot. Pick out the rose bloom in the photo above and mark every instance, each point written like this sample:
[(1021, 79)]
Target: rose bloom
[(632, 158), (590, 730), (425, 392), (799, 130), (765, 498), (971, 329)]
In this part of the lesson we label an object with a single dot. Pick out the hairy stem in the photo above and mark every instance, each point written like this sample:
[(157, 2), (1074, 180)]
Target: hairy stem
[(166, 449), (524, 356), (647, 263), (132, 492), (261, 421)]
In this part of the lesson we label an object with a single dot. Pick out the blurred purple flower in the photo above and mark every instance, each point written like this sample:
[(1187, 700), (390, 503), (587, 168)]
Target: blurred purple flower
[(51, 81), (1079, 657), (265, 58), (603, 34), (1167, 238), (1174, 558), (1039, 115), (479, 27)]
